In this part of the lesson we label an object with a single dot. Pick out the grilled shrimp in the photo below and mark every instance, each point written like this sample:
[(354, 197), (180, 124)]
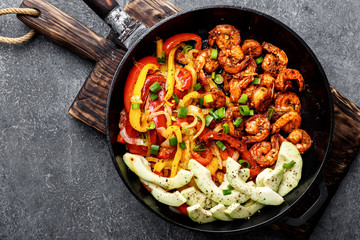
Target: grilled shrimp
[(264, 93), (265, 153), (300, 139), (274, 62), (225, 35), (219, 99), (203, 61), (258, 127), (237, 85), (251, 48), (230, 59), (287, 122), (248, 66), (286, 102), (284, 80), (231, 115)]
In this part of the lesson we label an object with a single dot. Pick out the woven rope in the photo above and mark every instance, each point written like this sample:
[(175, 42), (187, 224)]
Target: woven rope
[(25, 11)]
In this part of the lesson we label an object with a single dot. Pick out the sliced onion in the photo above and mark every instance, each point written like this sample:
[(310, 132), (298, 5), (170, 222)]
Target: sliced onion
[(128, 139), (236, 155)]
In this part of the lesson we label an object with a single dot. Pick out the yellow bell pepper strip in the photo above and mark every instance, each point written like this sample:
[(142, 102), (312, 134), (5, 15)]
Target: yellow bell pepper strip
[(178, 154), (213, 166), (187, 99), (161, 164), (170, 80), (135, 115)]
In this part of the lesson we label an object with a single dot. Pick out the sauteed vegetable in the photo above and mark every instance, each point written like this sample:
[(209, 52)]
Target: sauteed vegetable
[(213, 126)]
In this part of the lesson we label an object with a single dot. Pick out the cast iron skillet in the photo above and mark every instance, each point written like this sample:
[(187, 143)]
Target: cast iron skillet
[(317, 110)]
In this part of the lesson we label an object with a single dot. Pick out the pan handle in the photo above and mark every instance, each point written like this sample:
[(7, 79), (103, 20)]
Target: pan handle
[(295, 222), (66, 31), (127, 28)]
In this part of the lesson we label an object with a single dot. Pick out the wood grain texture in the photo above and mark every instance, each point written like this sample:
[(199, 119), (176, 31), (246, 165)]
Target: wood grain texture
[(150, 12), (102, 7)]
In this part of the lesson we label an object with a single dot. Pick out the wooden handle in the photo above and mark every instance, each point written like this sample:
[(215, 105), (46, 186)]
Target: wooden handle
[(66, 31), (102, 7)]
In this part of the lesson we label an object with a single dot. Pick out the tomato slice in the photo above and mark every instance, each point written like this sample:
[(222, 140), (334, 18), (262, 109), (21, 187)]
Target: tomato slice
[(132, 78), (182, 37)]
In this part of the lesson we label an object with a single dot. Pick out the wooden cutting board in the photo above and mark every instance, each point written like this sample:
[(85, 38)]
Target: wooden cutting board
[(89, 105)]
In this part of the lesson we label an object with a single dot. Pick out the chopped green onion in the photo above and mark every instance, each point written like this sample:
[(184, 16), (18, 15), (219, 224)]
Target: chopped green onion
[(220, 112), (238, 121), (208, 98), (152, 125), (135, 106), (201, 102), (226, 128), (221, 145), (251, 113), (244, 110), (226, 191), (213, 75), (246, 162), (214, 54), (259, 60), (182, 112), (186, 130), (256, 81), (173, 141), (289, 165), (269, 113), (155, 87), (187, 48), (173, 118), (175, 97), (199, 148), (153, 96), (214, 115), (154, 149), (182, 145), (197, 86), (144, 137), (218, 79), (230, 187), (198, 118), (208, 120), (162, 59), (243, 98)]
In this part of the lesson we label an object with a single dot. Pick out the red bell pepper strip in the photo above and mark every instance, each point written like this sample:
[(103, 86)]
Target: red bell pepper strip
[(166, 153), (183, 209), (238, 145), (132, 78), (204, 158), (182, 37), (185, 78)]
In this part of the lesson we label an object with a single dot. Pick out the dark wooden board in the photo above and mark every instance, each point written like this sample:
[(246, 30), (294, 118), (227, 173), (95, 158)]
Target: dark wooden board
[(90, 103)]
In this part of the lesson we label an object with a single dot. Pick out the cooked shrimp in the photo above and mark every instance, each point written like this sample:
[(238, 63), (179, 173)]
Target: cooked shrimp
[(236, 86), (219, 99), (274, 62), (258, 127), (300, 139), (264, 93), (248, 66), (203, 61), (285, 78), (225, 35), (286, 102), (230, 59), (287, 122), (265, 153), (251, 48), (231, 115)]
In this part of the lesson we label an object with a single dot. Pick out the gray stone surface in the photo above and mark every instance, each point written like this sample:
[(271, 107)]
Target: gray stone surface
[(56, 176)]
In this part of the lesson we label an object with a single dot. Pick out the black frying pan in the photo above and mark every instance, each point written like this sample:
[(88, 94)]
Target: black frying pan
[(317, 109)]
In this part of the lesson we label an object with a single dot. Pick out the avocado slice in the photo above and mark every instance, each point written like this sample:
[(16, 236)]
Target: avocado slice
[(172, 199), (193, 196), (199, 214), (203, 180), (219, 213), (141, 167), (264, 195), (288, 152), (239, 211)]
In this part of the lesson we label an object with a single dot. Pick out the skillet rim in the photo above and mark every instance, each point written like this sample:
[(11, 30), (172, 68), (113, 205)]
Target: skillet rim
[(329, 95)]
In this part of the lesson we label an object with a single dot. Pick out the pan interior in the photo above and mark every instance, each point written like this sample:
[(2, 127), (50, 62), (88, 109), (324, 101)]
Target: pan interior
[(316, 103)]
